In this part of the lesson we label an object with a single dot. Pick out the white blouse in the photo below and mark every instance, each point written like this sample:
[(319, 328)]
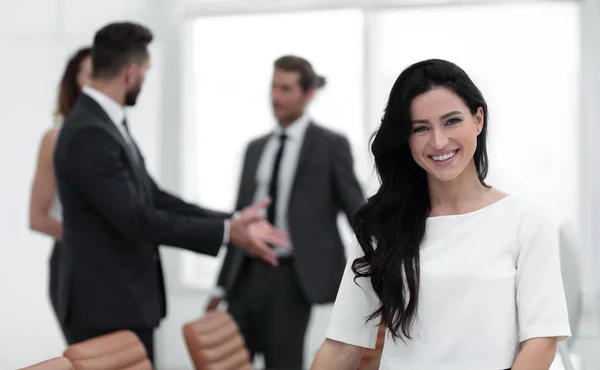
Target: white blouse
[(490, 279)]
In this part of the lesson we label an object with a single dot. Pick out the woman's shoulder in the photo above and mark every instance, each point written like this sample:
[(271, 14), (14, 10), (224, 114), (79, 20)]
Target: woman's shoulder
[(531, 214), (528, 206), (51, 135), (49, 138)]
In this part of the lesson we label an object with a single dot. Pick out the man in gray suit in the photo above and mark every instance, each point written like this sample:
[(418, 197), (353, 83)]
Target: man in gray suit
[(314, 180)]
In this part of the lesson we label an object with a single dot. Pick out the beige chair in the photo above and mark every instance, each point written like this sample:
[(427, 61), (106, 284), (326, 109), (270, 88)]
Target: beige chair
[(59, 363), (120, 350), (215, 343)]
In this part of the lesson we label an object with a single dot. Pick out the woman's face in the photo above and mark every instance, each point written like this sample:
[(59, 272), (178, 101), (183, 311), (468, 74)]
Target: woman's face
[(444, 133), (84, 77)]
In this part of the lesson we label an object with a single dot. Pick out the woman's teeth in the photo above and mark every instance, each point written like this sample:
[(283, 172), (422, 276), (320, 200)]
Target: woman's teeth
[(444, 157)]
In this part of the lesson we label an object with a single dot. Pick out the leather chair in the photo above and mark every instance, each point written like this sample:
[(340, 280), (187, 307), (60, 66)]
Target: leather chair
[(214, 342), (120, 350), (372, 357), (59, 363)]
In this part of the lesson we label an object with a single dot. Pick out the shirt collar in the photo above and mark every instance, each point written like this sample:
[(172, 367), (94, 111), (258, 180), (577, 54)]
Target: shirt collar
[(296, 129), (114, 110)]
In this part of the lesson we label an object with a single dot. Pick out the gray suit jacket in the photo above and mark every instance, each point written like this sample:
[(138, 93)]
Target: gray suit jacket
[(324, 185)]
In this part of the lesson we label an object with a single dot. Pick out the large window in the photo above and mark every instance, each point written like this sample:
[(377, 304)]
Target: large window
[(523, 56), (232, 67)]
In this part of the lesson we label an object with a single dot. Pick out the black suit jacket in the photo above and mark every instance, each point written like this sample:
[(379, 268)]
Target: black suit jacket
[(115, 217), (324, 185)]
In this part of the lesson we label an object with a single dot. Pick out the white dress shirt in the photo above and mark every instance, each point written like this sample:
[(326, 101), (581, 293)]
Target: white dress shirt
[(116, 113), (114, 110), (287, 171)]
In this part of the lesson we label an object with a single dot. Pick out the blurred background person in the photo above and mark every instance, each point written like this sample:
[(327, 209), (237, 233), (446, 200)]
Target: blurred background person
[(45, 212), (115, 216), (308, 172)]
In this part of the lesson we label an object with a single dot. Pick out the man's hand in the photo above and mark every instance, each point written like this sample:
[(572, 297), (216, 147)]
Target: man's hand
[(254, 212), (213, 304), (251, 232)]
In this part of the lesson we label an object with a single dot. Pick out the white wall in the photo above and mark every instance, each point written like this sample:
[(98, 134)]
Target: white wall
[(590, 158), (36, 37)]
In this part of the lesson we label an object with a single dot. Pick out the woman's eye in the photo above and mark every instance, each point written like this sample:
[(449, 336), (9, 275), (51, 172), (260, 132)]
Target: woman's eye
[(453, 121)]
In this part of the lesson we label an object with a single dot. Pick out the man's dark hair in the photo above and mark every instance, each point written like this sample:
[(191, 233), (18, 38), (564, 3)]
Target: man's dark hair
[(308, 78), (117, 45)]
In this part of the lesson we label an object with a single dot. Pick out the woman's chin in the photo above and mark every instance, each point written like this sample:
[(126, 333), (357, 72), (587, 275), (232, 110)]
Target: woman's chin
[(443, 176)]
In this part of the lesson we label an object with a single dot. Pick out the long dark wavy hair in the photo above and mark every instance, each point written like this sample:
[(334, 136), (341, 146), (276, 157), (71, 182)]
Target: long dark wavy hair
[(391, 225)]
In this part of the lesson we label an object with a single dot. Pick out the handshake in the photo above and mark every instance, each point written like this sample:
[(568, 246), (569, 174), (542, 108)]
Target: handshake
[(251, 232)]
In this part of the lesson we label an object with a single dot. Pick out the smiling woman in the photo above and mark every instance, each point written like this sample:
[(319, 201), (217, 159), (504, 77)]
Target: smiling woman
[(467, 276)]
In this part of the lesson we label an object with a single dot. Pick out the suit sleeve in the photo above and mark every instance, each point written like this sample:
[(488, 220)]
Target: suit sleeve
[(168, 202), (98, 172), (348, 189)]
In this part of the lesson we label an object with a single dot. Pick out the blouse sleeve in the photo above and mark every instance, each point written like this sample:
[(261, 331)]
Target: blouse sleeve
[(355, 301), (541, 303)]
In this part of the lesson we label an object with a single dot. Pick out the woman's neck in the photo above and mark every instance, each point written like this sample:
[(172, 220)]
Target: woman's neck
[(458, 195)]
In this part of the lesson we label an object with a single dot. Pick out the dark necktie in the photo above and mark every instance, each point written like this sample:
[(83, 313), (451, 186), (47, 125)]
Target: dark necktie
[(130, 143), (126, 129), (137, 163), (273, 187)]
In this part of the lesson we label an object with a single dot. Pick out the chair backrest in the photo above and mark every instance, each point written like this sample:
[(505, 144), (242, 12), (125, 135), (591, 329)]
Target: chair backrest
[(572, 281), (59, 363), (215, 343), (371, 357), (121, 350)]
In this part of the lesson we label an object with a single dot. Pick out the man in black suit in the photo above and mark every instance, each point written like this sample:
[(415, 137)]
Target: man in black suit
[(307, 170), (116, 216)]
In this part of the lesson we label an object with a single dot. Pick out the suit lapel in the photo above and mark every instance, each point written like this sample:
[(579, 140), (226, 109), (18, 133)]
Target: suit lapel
[(310, 138), (135, 165), (254, 156)]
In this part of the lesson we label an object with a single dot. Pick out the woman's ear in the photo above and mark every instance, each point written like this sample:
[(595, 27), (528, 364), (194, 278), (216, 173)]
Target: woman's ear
[(479, 119)]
